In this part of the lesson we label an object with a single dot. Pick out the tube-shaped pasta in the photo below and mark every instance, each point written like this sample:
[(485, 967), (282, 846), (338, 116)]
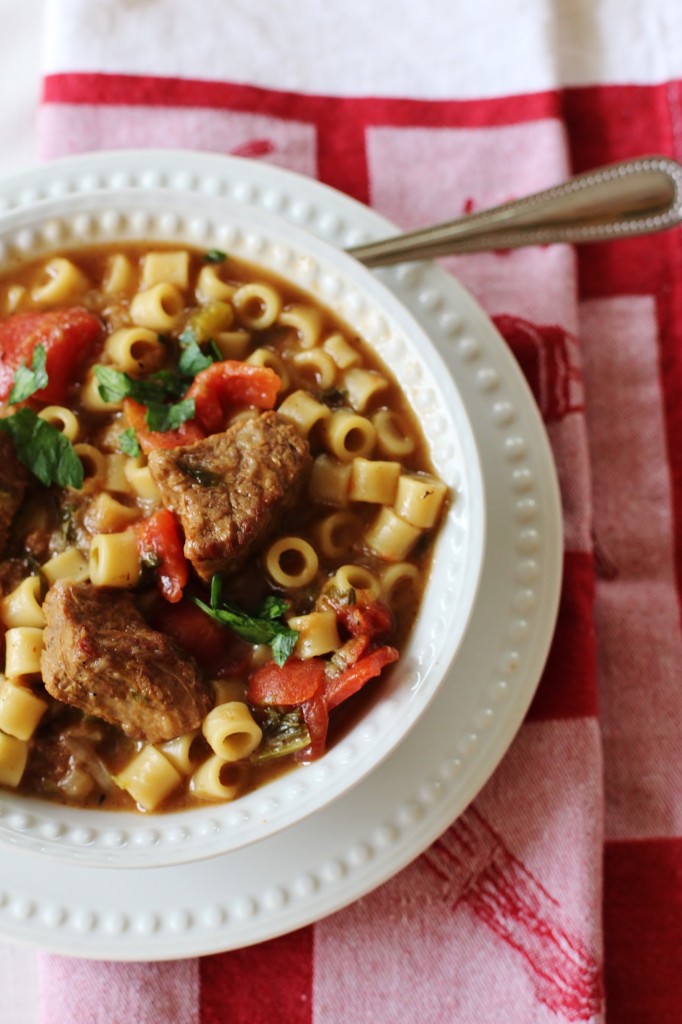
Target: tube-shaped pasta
[(23, 647), (94, 464), (231, 731), (291, 562), (115, 473), (317, 633), (141, 481), (13, 758), (330, 481), (135, 350), (398, 578), (303, 411), (60, 280), (20, 710), (336, 534), (266, 357), (341, 351), (158, 308), (305, 320), (162, 267), (392, 438), (149, 778), (362, 386), (233, 344), (62, 419), (348, 435), (90, 398), (107, 515), (374, 481), (390, 537), (211, 288), (317, 366), (419, 499), (22, 606), (184, 752), (356, 577), (216, 779), (119, 276), (257, 305), (67, 565), (114, 559)]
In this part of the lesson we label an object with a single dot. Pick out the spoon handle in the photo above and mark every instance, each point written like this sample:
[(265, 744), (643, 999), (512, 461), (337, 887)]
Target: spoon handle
[(636, 197)]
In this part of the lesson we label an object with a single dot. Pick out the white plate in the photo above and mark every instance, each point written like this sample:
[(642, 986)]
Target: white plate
[(129, 206), (365, 836)]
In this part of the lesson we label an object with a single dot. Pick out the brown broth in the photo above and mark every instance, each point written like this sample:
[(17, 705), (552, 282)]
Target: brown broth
[(39, 530)]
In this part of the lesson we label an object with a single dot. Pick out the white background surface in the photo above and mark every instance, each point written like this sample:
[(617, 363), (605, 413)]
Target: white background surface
[(20, 68)]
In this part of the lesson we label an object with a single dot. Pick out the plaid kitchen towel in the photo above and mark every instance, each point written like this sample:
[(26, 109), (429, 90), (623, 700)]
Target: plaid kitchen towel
[(557, 895)]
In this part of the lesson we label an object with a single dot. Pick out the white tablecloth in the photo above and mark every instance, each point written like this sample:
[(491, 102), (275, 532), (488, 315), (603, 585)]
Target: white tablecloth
[(21, 41)]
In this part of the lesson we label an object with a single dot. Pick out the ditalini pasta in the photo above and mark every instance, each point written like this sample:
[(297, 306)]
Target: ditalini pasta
[(216, 523)]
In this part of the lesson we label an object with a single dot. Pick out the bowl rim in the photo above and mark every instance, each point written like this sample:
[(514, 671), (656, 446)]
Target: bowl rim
[(110, 838)]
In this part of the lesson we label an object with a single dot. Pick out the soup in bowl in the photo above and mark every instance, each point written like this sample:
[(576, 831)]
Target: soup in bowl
[(234, 568)]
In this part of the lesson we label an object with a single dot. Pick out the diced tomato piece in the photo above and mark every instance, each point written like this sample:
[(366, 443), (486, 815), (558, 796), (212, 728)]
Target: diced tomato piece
[(293, 683), (135, 414), (229, 383), (159, 535), (67, 335), (316, 718), (348, 682), (370, 618), (209, 643)]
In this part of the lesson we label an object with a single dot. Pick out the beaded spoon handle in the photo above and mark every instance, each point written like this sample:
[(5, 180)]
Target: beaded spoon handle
[(635, 197)]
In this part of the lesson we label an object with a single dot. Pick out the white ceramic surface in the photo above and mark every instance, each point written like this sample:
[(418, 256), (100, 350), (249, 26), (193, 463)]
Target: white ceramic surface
[(369, 833), (72, 207)]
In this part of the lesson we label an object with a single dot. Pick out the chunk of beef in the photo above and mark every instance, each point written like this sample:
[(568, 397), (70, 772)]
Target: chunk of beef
[(231, 490), (13, 481), (101, 656)]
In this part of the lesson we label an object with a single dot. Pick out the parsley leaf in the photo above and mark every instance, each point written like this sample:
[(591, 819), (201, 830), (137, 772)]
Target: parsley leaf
[(43, 449), (192, 360), (169, 417), (28, 381), (263, 628), (114, 385), (128, 443), (215, 256)]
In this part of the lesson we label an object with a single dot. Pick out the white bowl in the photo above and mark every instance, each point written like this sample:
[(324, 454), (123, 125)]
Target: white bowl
[(163, 197)]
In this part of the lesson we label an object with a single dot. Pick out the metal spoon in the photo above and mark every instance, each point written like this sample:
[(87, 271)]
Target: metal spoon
[(636, 197)]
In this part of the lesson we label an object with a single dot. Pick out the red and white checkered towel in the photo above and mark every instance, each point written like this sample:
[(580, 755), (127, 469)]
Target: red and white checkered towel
[(557, 896)]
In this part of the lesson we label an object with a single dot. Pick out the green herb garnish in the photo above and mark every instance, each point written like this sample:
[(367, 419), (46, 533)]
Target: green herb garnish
[(215, 256), (43, 449), (128, 443), (169, 417), (265, 627), (284, 732), (192, 360), (114, 385), (29, 380)]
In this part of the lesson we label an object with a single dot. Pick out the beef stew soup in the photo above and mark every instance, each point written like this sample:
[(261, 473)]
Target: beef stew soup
[(216, 516)]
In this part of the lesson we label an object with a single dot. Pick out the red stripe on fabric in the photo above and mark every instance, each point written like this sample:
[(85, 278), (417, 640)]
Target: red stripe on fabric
[(477, 868), (568, 687), (643, 931), (606, 125), (148, 90), (260, 984)]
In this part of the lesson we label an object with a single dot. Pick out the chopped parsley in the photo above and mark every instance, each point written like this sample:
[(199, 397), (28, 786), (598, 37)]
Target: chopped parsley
[(215, 256), (29, 380), (153, 392), (192, 360), (265, 627), (43, 449), (128, 443)]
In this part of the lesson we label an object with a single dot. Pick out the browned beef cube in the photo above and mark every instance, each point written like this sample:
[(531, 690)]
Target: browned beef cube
[(231, 489), (13, 480), (101, 656)]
